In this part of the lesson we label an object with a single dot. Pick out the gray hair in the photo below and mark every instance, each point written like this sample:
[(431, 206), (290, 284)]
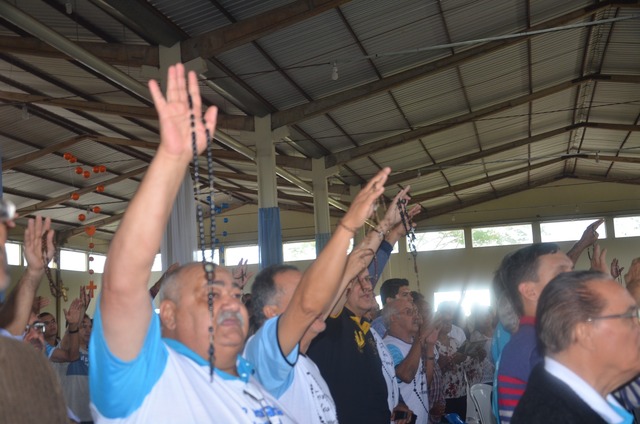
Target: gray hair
[(566, 301)]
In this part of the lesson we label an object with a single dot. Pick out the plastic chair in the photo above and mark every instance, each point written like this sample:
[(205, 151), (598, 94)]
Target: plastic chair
[(481, 396)]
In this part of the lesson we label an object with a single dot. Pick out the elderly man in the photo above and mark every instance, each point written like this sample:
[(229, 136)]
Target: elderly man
[(138, 374), (406, 338), (589, 331)]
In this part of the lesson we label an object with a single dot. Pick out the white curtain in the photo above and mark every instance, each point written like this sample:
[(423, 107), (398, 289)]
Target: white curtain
[(179, 241)]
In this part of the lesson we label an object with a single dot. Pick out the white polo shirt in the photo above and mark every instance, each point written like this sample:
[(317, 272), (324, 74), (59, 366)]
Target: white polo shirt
[(169, 383), (295, 380)]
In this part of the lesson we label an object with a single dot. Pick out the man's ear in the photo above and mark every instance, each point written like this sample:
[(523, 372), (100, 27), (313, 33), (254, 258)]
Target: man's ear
[(270, 311), (168, 314), (583, 335), (528, 290)]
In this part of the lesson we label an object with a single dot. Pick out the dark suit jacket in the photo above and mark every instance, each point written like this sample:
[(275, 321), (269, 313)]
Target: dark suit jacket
[(548, 400)]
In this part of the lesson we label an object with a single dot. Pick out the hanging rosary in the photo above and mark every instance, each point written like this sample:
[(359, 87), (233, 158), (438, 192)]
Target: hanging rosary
[(58, 290), (208, 266), (411, 236)]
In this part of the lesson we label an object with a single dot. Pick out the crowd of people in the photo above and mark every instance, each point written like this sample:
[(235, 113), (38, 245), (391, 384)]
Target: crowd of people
[(312, 346)]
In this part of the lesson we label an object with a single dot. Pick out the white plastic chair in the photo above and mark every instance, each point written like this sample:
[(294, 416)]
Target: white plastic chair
[(481, 396)]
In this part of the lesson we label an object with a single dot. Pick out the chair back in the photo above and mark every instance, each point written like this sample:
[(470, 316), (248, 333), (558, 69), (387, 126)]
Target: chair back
[(481, 396)]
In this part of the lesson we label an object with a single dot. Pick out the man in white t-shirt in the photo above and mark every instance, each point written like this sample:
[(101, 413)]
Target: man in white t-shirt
[(155, 368), (405, 340)]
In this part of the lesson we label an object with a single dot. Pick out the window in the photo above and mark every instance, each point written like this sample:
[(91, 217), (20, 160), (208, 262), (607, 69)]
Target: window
[(299, 251), (13, 253), (471, 297), (567, 230), (440, 240), (97, 264), (72, 260), (232, 255), (502, 236), (157, 263), (628, 226), (207, 253)]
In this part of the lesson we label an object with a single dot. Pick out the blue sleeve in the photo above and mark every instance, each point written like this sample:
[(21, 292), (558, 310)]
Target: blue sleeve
[(380, 261), (49, 350), (273, 370), (117, 387), (395, 354)]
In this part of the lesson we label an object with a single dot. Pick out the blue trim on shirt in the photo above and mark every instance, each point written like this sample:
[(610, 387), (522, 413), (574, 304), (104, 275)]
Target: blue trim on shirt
[(273, 370), (118, 388)]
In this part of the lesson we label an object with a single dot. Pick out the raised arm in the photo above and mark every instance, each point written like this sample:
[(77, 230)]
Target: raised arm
[(124, 302), (321, 281), (589, 237), (69, 349), (14, 314), (389, 230)]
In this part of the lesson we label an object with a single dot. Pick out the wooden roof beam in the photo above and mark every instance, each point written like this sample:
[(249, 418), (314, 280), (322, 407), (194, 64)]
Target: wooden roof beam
[(223, 39), (486, 180), (133, 55), (232, 122), (21, 160), (429, 213), (406, 137)]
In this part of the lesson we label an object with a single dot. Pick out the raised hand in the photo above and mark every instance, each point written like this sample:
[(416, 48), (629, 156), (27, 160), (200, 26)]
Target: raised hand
[(599, 259), (37, 229), (175, 112), (590, 234), (616, 269), (240, 273), (362, 206), (75, 313), (633, 275)]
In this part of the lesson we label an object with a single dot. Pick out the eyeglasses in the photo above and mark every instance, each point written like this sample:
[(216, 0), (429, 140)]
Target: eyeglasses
[(38, 326), (52, 321), (410, 311), (633, 314)]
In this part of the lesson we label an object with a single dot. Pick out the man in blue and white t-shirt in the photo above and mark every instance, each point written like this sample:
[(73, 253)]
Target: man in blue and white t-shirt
[(150, 368)]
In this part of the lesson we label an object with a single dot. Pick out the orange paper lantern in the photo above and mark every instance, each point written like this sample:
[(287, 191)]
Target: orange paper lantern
[(100, 188), (73, 159), (96, 209), (86, 174), (96, 169), (67, 156), (75, 196), (91, 245), (78, 170), (90, 230), (103, 168), (82, 217)]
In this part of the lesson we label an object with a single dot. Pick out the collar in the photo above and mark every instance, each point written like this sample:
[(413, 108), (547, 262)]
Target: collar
[(244, 368), (609, 409), (526, 320), (362, 323)]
